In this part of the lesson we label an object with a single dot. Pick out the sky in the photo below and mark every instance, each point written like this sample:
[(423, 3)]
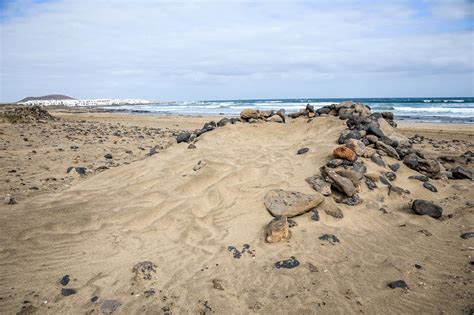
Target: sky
[(236, 49)]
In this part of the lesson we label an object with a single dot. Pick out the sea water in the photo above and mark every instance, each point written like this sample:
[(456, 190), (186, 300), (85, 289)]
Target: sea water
[(422, 109)]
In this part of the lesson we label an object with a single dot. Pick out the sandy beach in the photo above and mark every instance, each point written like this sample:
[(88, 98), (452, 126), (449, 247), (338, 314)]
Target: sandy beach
[(197, 215)]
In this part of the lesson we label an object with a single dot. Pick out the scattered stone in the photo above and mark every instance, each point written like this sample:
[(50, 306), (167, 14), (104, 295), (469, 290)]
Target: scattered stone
[(79, 171), (350, 201), (67, 292), (333, 211), (384, 180), (320, 185), (398, 190), (425, 207), (421, 178), (108, 156), (428, 167), (217, 284), (348, 134), (354, 176), (330, 238), (277, 230), (65, 280), (292, 223), (335, 163), (144, 269), (302, 151), (183, 137), (377, 160), (312, 268), (109, 306), (235, 252), (281, 202), (356, 145), (391, 152), (277, 119), (398, 284), (344, 153), (467, 235), (418, 266), (199, 165), (461, 173), (10, 200), (372, 176), (391, 176), (191, 146), (314, 215), (430, 187), (342, 184), (149, 292), (370, 184), (394, 167), (223, 122), (372, 138), (287, 263), (94, 299)]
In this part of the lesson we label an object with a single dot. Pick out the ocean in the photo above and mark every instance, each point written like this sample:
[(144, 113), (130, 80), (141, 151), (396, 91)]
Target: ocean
[(422, 109)]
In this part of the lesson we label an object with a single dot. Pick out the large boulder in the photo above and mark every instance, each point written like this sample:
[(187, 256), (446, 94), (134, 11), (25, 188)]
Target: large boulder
[(286, 203), (425, 207), (249, 113), (183, 137), (339, 182), (460, 172)]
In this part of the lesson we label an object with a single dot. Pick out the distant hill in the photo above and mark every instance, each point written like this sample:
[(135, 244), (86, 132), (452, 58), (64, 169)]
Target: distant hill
[(46, 98)]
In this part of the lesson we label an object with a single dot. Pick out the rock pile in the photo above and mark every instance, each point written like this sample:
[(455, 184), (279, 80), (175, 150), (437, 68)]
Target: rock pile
[(27, 115)]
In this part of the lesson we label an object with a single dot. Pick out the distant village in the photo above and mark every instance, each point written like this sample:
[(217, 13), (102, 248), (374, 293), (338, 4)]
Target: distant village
[(90, 102)]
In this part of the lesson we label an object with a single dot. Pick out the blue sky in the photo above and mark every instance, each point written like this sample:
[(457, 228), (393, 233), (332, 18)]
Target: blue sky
[(196, 49)]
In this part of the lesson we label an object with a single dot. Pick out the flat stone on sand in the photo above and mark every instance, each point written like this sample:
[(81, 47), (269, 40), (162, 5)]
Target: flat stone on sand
[(286, 203)]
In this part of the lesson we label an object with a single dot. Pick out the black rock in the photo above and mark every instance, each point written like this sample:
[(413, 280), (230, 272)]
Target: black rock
[(335, 163), (373, 129), (467, 235), (323, 110), (81, 170), (65, 280), (287, 263), (348, 134), (223, 122), (461, 173), (315, 215), (391, 176), (398, 284), (302, 150), (370, 184), (291, 223), (350, 201), (191, 146), (430, 187), (417, 266), (236, 253), (108, 156), (425, 207), (310, 108), (384, 180), (209, 126), (67, 292), (359, 167), (387, 115), (183, 137), (377, 160), (421, 178), (94, 299), (329, 237), (394, 167)]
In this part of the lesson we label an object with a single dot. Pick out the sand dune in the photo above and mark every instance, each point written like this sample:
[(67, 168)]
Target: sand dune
[(161, 210)]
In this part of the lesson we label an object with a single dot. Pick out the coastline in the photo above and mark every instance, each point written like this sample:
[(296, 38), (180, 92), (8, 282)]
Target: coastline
[(138, 206)]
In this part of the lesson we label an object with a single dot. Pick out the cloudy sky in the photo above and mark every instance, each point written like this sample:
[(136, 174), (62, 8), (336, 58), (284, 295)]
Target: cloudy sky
[(191, 50)]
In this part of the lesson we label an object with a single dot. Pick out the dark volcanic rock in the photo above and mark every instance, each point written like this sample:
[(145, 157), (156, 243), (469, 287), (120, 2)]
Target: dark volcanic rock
[(108, 156), (315, 215), (421, 178), (425, 207), (397, 284), (350, 201), (183, 137), (467, 235), (67, 292), (348, 134), (335, 163), (287, 263), (329, 237), (430, 187), (223, 122), (377, 160), (65, 280), (461, 173), (370, 184), (428, 167), (394, 167), (384, 180), (302, 151)]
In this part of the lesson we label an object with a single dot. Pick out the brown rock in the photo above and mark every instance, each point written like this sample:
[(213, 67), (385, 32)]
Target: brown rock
[(277, 230), (344, 153), (281, 202), (342, 184), (250, 113), (356, 145)]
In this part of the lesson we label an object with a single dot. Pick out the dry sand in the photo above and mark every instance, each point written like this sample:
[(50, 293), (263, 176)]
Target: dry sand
[(158, 209)]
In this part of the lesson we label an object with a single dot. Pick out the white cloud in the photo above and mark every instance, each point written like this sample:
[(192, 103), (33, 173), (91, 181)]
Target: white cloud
[(232, 49)]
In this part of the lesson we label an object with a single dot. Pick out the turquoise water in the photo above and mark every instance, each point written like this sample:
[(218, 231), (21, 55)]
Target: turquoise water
[(425, 109)]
